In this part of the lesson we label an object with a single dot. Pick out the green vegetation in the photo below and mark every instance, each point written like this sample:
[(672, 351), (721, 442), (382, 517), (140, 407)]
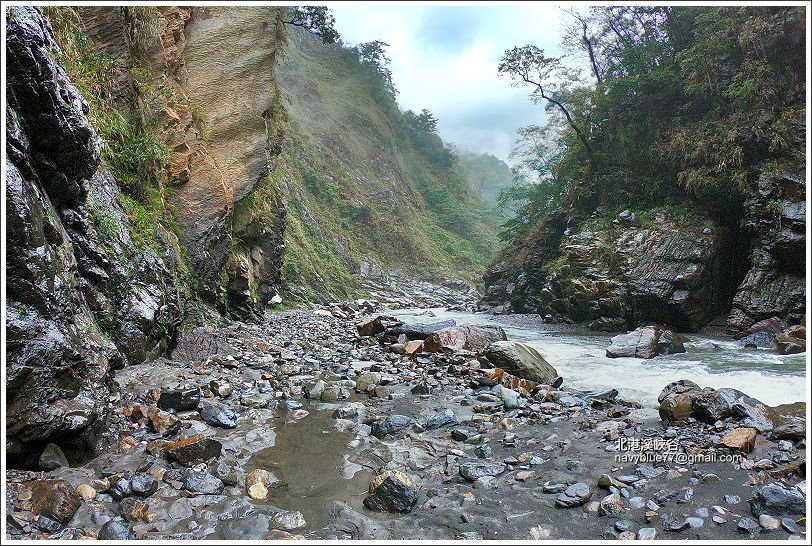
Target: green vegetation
[(364, 181), (133, 149), (131, 146), (681, 105)]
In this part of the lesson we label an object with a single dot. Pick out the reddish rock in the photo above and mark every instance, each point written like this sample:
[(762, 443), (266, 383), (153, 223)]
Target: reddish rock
[(55, 499), (413, 347), (370, 327), (741, 440), (194, 449), (469, 338)]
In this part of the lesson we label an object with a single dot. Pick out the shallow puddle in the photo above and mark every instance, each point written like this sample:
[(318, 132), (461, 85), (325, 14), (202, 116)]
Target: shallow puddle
[(312, 462)]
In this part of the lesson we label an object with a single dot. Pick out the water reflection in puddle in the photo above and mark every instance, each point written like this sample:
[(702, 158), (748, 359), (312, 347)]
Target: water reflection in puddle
[(314, 464)]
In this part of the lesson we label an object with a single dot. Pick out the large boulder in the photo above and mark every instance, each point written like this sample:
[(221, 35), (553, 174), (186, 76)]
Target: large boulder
[(520, 360), (469, 338), (788, 344), (420, 330), (610, 275), (645, 342), (777, 499), (683, 399)]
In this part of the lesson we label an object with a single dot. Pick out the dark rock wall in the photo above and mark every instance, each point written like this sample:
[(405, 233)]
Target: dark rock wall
[(775, 284), (680, 269), (81, 298)]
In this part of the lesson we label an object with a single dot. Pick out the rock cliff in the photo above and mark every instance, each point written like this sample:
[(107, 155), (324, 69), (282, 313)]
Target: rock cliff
[(676, 266), (82, 299)]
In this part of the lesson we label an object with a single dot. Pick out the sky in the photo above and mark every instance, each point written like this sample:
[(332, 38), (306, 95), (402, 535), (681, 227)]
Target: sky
[(445, 58)]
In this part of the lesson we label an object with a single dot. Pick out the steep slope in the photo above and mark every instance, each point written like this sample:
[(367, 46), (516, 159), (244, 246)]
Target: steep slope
[(682, 188), (83, 297), (487, 175), (363, 195)]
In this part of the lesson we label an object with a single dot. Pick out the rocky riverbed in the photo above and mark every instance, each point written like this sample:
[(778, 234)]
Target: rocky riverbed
[(300, 427)]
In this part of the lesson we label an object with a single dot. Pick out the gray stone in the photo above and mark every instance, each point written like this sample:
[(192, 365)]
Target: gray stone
[(202, 482), (574, 495), (474, 470), (520, 360), (218, 415)]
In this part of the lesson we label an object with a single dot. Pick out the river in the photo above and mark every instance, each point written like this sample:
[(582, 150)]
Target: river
[(579, 355)]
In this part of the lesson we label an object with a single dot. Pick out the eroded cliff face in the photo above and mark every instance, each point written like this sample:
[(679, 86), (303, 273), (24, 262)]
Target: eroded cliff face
[(681, 268), (82, 299), (217, 100)]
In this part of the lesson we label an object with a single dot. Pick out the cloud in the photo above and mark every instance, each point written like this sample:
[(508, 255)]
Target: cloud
[(445, 59), (448, 30)]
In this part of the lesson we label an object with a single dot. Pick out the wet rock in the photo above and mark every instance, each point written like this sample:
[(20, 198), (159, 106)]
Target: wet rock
[(257, 399), (221, 388), (441, 419), (623, 525), (181, 399), (606, 481), (694, 522), (287, 521), (218, 415), (121, 488), (370, 327), (486, 482), (192, 450), (115, 530), (684, 399), (469, 338), (412, 348), (366, 380), (611, 505), (258, 491), (201, 481), (525, 475), (55, 499), (335, 392), (520, 360), (474, 470), (645, 342), (740, 440), (86, 491), (164, 423), (258, 482), (484, 451), (646, 533), (313, 389), (143, 485), (228, 469), (133, 509), (787, 344), (420, 331), (776, 499), (769, 523), (748, 525), (790, 526), (392, 491), (422, 388), (574, 495), (391, 425), (252, 527), (52, 458)]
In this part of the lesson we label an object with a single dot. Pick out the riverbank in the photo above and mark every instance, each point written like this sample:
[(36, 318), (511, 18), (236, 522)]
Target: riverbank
[(275, 430)]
